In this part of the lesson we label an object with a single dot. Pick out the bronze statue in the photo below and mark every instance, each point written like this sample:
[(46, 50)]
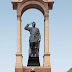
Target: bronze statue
[(34, 39)]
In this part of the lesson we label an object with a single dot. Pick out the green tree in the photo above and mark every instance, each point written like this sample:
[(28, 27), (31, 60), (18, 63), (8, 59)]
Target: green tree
[(70, 70)]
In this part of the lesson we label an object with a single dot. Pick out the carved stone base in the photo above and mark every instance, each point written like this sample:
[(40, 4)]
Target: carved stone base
[(37, 69), (33, 69), (18, 69)]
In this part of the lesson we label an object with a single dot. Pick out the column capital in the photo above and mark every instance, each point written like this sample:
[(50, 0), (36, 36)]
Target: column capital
[(19, 17), (46, 16)]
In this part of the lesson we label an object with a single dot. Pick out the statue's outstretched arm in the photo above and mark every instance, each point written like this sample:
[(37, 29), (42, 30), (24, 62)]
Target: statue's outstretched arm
[(27, 27)]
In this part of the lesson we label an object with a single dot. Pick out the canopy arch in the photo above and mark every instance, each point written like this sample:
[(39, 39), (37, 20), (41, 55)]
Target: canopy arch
[(32, 4)]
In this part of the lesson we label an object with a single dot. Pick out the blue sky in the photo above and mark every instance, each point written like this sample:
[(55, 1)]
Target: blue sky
[(60, 35)]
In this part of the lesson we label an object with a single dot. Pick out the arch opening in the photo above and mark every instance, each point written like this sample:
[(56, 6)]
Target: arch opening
[(27, 17), (34, 6)]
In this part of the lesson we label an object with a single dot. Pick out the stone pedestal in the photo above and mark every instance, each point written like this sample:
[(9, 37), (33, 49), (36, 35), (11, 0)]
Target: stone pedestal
[(33, 61), (19, 70), (33, 69)]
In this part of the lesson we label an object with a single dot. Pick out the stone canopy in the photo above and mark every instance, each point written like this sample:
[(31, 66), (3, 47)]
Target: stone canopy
[(50, 3), (44, 6)]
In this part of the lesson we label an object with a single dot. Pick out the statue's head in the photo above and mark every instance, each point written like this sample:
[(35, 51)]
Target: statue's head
[(33, 24)]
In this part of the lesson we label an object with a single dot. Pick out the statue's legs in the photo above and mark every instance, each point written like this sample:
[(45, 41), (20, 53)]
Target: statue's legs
[(34, 46), (34, 54), (37, 48)]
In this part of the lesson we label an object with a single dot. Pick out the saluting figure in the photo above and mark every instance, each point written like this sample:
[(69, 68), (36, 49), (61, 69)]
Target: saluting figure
[(34, 39)]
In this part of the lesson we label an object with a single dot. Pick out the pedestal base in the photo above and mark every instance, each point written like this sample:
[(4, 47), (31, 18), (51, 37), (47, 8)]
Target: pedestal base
[(33, 69), (33, 61), (18, 69)]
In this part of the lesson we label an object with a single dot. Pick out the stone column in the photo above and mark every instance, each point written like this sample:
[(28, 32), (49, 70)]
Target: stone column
[(19, 50), (46, 41)]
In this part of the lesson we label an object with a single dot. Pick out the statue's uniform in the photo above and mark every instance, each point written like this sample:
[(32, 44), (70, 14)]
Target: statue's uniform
[(34, 33), (34, 36)]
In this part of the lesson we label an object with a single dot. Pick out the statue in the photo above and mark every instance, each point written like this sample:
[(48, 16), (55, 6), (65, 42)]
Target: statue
[(34, 39)]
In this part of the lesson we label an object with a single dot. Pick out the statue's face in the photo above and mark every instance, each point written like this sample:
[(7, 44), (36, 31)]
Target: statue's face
[(33, 24)]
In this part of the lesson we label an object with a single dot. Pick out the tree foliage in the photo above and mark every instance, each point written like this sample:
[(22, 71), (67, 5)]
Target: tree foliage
[(70, 70)]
